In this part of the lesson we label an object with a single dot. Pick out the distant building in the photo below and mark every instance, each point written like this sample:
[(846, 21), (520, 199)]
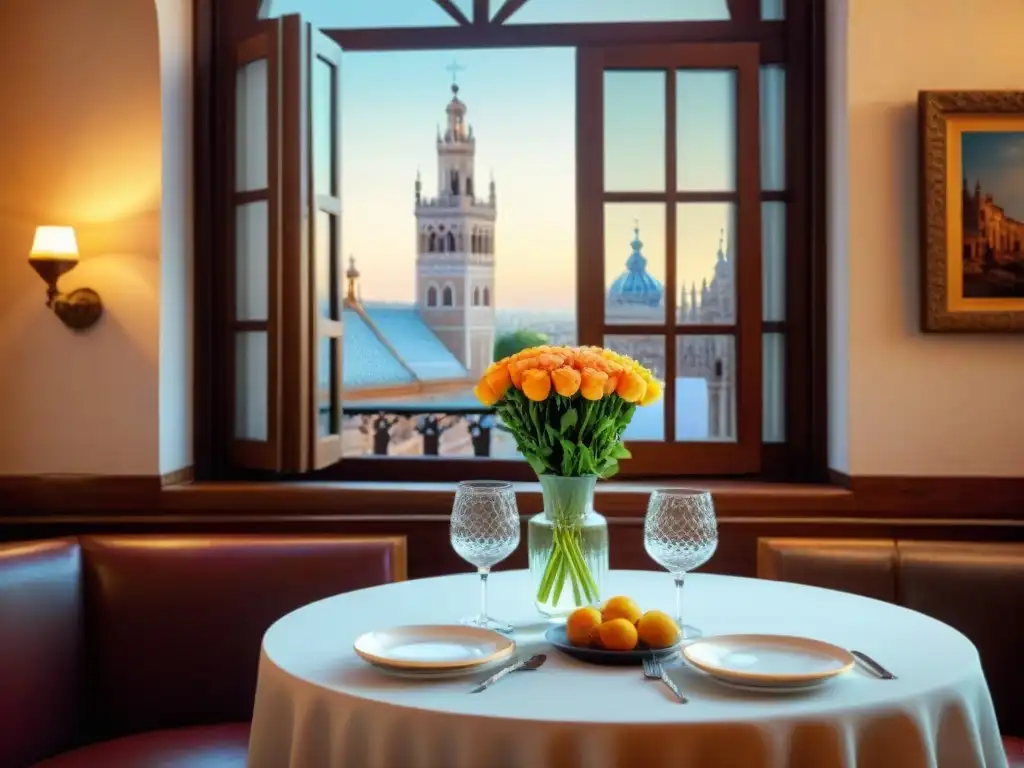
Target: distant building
[(444, 340), (705, 364), (988, 232)]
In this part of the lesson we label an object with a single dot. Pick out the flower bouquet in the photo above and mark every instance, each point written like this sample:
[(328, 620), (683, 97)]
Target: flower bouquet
[(567, 409)]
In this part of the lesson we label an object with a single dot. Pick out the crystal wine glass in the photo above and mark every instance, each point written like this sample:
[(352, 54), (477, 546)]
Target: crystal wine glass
[(484, 531), (680, 534)]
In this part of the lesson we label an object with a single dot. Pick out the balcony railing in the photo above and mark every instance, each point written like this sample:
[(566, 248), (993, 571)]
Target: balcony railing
[(391, 430)]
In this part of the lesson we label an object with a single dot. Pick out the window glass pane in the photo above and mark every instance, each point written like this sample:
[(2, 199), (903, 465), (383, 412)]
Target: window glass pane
[(634, 263), (648, 422), (706, 130), (252, 374), (569, 11), (706, 263), (634, 131), (773, 127), (773, 429), (706, 389), (252, 259), (324, 128), (361, 14), (327, 279), (327, 403), (773, 260), (773, 10), (251, 126)]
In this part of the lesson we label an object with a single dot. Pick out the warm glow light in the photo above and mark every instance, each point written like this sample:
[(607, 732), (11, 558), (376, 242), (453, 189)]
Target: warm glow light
[(55, 243)]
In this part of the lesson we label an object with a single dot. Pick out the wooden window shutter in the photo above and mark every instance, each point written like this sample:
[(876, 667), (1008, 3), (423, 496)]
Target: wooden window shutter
[(285, 276)]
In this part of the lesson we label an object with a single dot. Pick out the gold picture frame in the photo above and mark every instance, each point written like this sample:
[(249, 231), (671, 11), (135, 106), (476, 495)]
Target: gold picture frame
[(972, 211)]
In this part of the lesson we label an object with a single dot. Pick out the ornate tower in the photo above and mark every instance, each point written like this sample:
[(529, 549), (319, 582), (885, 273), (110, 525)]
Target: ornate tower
[(455, 246)]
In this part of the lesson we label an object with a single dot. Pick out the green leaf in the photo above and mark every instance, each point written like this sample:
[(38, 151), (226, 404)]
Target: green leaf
[(552, 433), (619, 451), (608, 469), (537, 465), (569, 419), (568, 457), (587, 464)]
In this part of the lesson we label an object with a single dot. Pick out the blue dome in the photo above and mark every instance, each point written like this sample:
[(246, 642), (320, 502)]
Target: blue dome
[(635, 285)]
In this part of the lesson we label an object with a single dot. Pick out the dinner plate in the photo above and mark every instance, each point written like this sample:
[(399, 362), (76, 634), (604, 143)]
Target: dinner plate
[(433, 647), (443, 674), (768, 661), (556, 635)]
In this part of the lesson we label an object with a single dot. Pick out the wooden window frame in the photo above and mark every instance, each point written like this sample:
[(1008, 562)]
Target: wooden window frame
[(797, 43), (742, 455)]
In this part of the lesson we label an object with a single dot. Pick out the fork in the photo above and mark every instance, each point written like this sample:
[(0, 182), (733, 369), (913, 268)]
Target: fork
[(653, 670)]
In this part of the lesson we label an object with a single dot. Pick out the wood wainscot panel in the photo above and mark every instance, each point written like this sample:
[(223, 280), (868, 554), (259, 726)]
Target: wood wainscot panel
[(430, 552), (917, 508)]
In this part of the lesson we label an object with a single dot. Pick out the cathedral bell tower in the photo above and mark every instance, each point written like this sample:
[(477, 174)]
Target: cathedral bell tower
[(455, 246)]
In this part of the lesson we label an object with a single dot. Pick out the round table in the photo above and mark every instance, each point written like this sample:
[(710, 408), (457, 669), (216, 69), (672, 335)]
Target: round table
[(318, 705)]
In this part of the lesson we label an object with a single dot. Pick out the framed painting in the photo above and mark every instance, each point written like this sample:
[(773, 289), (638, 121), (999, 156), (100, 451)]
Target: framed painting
[(972, 210)]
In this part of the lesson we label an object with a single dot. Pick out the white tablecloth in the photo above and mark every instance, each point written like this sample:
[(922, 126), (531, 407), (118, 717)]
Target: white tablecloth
[(318, 705)]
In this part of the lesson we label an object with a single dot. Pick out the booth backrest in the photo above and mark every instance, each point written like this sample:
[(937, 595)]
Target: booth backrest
[(40, 649), (111, 635), (975, 588)]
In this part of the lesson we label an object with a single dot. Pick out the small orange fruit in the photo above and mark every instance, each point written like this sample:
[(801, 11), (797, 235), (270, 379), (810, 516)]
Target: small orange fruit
[(621, 607), (595, 638), (617, 635), (657, 630), (579, 624)]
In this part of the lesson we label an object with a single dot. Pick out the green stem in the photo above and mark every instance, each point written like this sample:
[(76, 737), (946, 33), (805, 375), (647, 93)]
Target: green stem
[(550, 571), (559, 578)]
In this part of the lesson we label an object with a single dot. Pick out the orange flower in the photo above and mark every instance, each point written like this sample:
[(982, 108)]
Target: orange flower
[(631, 387), (549, 361), (498, 379), (653, 392), (592, 383), (485, 394), (566, 380), (536, 384), (612, 383), (514, 373)]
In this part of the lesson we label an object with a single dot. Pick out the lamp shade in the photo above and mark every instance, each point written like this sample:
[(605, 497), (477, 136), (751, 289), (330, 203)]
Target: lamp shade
[(55, 243)]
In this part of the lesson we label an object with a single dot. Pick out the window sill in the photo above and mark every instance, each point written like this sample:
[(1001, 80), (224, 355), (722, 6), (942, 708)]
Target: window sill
[(406, 499)]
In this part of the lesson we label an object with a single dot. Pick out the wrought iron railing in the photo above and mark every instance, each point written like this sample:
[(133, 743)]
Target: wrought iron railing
[(382, 423)]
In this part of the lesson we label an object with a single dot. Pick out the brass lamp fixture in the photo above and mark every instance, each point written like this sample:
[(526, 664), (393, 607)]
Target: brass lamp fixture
[(54, 252)]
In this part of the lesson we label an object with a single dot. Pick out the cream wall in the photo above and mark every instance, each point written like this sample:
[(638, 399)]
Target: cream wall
[(81, 143), (906, 403)]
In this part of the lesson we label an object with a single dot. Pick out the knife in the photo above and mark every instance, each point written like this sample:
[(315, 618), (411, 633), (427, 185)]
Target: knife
[(531, 663), (874, 666)]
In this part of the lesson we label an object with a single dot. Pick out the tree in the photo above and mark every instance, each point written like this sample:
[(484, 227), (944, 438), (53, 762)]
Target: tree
[(516, 341)]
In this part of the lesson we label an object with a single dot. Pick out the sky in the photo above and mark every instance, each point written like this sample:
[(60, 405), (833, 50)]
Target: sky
[(996, 159), (521, 105), (417, 13)]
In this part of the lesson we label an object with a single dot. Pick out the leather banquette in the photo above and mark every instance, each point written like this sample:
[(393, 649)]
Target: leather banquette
[(142, 651)]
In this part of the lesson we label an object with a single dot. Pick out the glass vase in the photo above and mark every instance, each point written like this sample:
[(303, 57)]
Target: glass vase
[(568, 546)]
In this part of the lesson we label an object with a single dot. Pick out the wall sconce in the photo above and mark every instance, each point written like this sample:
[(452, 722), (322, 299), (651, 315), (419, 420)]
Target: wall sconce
[(54, 252)]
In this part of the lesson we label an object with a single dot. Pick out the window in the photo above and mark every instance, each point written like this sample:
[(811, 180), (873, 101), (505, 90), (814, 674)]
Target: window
[(672, 225)]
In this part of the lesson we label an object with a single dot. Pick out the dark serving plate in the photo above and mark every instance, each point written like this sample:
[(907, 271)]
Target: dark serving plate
[(557, 637)]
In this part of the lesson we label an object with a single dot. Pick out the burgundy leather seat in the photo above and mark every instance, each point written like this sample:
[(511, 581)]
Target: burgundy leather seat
[(143, 650), (203, 746), (973, 587)]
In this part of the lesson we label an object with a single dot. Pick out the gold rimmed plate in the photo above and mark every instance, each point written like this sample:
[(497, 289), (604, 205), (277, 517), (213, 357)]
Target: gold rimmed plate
[(768, 661), (433, 647)]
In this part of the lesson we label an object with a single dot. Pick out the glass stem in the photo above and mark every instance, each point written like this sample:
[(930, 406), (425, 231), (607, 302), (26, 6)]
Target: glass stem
[(484, 572), (679, 600)]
